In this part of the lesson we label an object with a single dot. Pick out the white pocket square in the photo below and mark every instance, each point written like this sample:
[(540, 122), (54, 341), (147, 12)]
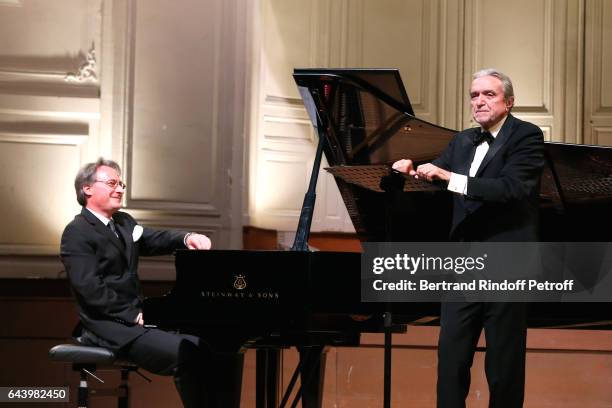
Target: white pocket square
[(137, 233)]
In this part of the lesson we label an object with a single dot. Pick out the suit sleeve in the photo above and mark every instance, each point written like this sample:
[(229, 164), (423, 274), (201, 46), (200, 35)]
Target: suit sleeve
[(83, 268), (520, 174), (445, 159), (155, 242), (159, 242)]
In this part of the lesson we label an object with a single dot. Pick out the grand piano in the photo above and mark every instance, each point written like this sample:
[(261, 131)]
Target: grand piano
[(274, 299)]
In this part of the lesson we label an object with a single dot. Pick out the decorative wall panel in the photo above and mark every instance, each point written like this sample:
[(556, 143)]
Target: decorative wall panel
[(175, 106), (399, 34), (598, 65), (541, 57)]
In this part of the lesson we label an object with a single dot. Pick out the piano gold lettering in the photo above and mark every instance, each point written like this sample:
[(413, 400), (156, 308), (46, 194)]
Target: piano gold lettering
[(240, 295), (267, 295)]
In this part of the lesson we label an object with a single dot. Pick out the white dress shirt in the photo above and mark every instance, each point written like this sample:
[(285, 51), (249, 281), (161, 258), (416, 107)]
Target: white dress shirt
[(458, 182), (99, 216)]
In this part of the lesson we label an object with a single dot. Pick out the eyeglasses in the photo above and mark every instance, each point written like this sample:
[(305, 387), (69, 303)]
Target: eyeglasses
[(112, 183)]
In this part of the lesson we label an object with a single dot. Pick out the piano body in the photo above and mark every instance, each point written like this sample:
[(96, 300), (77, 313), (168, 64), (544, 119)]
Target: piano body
[(274, 299)]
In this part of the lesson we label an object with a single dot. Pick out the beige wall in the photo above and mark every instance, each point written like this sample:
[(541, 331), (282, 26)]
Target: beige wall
[(196, 101)]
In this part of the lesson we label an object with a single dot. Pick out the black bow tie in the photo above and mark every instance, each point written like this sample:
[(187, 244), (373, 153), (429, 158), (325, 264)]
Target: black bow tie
[(483, 137)]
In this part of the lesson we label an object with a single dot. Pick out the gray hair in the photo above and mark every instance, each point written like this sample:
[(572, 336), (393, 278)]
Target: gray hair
[(505, 79), (86, 177)]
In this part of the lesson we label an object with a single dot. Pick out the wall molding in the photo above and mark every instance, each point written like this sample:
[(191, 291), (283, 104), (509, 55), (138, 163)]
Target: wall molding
[(67, 108), (42, 75), (42, 138)]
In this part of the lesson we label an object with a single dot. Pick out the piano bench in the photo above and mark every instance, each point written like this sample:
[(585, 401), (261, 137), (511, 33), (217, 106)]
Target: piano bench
[(86, 360)]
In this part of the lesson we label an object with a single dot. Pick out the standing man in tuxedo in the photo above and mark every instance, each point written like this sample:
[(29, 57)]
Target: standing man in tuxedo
[(494, 172), (100, 250)]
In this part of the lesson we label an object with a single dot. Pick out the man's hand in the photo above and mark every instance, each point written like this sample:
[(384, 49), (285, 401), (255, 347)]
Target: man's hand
[(139, 319), (430, 172), (198, 241), (404, 166), (427, 171)]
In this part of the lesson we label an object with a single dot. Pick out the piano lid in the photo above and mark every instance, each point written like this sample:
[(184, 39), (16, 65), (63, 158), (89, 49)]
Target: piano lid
[(367, 117), (368, 123)]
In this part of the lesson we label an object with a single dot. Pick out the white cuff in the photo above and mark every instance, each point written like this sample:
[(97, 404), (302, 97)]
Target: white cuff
[(458, 183), (187, 235)]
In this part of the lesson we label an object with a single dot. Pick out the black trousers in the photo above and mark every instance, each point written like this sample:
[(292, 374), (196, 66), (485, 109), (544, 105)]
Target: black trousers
[(505, 326), (183, 356)]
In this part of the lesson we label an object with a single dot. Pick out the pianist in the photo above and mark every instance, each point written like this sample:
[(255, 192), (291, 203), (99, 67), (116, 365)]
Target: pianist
[(100, 250), (494, 172)]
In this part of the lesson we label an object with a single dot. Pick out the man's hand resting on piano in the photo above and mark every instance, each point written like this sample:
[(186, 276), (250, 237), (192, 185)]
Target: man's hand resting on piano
[(197, 241), (427, 171)]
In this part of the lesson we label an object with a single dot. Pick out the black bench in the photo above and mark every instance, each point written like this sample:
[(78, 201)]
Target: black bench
[(87, 360)]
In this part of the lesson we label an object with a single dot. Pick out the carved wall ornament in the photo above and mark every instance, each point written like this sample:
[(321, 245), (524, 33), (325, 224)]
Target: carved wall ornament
[(87, 70)]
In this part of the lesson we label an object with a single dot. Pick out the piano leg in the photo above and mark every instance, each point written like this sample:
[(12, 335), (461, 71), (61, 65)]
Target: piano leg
[(226, 380), (312, 360), (267, 377)]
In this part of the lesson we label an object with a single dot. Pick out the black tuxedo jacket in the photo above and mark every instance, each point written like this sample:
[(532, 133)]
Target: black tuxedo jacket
[(103, 273), (502, 199)]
